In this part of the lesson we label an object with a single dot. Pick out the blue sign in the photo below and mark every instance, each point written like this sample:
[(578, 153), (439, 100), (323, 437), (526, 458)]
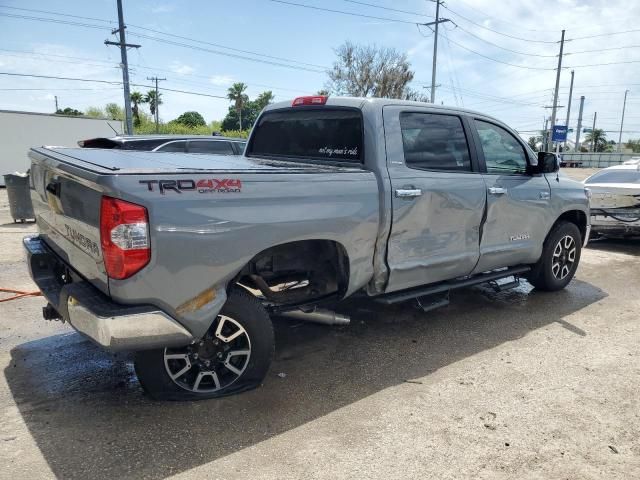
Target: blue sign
[(559, 133)]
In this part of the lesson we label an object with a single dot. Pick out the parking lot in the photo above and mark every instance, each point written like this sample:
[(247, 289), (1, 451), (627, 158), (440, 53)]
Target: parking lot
[(517, 384)]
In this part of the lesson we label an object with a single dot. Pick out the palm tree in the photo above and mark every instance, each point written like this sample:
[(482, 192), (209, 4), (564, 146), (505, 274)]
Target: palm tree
[(598, 138), (236, 94), (136, 99), (153, 102)]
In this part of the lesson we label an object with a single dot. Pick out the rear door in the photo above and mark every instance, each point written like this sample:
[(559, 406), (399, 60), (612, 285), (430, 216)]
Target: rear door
[(438, 196), (517, 201)]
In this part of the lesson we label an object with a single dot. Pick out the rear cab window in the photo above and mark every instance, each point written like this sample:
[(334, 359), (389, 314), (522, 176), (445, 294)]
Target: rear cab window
[(434, 141), (316, 133)]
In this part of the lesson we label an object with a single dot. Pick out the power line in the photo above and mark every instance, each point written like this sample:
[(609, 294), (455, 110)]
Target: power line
[(135, 66), (226, 54), (605, 34), (342, 12), (497, 32), (388, 8), (501, 47), (108, 82), (101, 27), (603, 49), (59, 14), (498, 61)]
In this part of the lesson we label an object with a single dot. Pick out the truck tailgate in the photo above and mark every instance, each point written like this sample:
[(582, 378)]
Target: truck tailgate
[(67, 209)]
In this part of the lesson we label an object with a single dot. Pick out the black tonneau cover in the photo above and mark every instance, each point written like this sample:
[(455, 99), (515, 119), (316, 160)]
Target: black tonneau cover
[(136, 162)]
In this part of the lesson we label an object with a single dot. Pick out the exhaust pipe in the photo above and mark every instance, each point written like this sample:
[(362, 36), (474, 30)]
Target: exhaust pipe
[(319, 315)]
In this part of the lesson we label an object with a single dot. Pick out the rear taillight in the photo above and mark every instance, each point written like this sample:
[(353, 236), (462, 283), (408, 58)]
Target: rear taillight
[(311, 100), (124, 235)]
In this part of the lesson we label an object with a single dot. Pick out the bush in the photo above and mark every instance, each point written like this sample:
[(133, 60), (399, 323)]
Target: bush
[(191, 119)]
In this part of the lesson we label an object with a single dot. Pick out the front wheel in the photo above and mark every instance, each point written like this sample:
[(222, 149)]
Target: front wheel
[(233, 356), (559, 260)]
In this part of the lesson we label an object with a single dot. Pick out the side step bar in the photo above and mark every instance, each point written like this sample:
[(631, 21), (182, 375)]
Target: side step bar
[(412, 293)]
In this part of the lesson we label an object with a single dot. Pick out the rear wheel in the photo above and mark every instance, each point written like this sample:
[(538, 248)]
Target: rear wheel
[(233, 356), (559, 260)]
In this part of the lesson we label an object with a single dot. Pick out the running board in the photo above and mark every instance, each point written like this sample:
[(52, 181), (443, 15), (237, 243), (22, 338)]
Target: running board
[(441, 287)]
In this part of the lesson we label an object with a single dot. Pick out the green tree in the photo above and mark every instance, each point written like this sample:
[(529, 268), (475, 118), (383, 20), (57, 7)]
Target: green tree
[(634, 145), (599, 139), (113, 111), (72, 112), (136, 100), (191, 119), (534, 142), (94, 112), (239, 98), (154, 103), (264, 99), (370, 71)]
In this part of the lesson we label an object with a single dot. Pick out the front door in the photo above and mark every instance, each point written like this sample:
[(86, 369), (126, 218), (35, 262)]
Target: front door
[(517, 201), (438, 197)]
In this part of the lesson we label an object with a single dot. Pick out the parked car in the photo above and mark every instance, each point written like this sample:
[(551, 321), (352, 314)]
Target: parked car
[(397, 200), (170, 143), (615, 207), (632, 161)]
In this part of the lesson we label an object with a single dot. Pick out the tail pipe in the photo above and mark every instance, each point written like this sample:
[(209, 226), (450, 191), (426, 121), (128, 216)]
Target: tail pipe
[(319, 315)]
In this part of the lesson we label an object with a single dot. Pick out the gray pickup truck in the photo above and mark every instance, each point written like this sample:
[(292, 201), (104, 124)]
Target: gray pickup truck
[(183, 258)]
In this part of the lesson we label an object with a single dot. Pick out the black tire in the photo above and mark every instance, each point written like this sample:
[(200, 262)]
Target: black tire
[(553, 272), (242, 310)]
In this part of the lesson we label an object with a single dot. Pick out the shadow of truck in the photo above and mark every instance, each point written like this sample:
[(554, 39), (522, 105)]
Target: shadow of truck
[(90, 419)]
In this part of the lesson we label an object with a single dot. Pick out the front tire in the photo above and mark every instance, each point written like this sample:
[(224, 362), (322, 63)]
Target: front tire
[(559, 260), (233, 356)]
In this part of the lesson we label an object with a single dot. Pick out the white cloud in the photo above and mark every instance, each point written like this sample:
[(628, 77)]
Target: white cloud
[(221, 80), (181, 68)]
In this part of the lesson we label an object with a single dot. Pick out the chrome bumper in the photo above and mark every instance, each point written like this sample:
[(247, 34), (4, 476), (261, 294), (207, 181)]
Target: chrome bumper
[(113, 326)]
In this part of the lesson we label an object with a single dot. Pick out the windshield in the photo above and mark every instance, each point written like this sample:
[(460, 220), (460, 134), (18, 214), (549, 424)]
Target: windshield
[(322, 134), (615, 176)]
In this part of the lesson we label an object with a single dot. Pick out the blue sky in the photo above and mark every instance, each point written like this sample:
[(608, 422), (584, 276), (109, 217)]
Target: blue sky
[(304, 37)]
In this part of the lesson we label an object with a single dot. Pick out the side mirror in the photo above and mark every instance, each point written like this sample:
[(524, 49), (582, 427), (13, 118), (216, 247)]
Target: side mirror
[(548, 162)]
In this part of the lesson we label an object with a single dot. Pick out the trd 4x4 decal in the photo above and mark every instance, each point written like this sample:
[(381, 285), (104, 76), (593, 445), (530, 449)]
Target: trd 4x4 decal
[(208, 185)]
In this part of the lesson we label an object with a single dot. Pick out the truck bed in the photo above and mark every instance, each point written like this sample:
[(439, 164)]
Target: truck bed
[(108, 161)]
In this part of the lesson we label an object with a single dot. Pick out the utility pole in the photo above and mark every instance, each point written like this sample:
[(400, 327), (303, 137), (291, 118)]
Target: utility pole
[(624, 106), (593, 132), (545, 142), (555, 93), (437, 22), (56, 97), (579, 123), (157, 117), (125, 66), (568, 110)]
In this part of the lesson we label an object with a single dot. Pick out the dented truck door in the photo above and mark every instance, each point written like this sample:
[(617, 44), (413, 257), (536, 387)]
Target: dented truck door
[(517, 218), (438, 196)]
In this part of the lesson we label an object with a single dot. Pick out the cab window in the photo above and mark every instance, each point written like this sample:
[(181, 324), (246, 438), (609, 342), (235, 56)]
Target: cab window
[(503, 154), (172, 147), (434, 142), (220, 147)]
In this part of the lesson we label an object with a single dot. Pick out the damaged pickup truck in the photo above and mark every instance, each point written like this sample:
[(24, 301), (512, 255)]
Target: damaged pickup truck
[(183, 258)]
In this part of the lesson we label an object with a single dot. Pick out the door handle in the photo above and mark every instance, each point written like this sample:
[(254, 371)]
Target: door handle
[(544, 195), (497, 190), (408, 192)]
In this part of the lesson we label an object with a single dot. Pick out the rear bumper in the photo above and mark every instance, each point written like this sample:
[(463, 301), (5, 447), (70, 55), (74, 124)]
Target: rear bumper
[(113, 326)]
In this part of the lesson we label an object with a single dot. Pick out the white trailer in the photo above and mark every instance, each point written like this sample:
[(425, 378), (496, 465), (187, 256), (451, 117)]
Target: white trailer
[(19, 131)]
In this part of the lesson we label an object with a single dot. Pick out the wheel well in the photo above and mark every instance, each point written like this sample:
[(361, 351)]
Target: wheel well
[(574, 216), (298, 272)]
